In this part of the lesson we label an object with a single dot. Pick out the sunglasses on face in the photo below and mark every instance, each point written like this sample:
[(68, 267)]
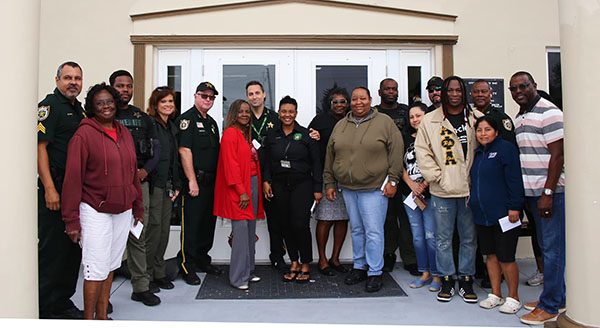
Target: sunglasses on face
[(521, 86), (335, 102), (205, 96), (435, 89)]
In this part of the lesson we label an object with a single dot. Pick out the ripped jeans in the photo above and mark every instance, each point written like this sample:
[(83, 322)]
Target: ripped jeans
[(447, 211), (422, 226)]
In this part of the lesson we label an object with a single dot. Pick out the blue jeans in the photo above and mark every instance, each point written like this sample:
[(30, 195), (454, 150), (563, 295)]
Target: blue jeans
[(422, 225), (551, 237), (447, 211), (366, 209)]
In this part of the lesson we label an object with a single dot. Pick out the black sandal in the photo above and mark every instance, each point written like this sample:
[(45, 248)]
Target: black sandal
[(302, 275), (294, 274), (338, 268)]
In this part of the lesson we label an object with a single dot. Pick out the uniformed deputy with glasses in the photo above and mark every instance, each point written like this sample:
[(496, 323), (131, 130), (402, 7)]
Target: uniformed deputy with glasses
[(199, 152)]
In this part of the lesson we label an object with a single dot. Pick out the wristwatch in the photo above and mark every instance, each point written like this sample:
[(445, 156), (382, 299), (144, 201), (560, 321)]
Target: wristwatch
[(548, 191), (393, 183)]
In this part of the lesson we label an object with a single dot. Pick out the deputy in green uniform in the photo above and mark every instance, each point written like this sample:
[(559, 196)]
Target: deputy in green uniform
[(147, 150), (481, 94), (59, 258), (199, 152)]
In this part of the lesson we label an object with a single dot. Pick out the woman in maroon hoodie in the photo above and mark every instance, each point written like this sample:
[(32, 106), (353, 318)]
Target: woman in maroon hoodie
[(101, 191)]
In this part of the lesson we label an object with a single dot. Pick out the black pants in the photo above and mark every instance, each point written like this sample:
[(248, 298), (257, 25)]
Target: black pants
[(293, 201), (197, 229), (396, 231), (275, 230), (59, 260)]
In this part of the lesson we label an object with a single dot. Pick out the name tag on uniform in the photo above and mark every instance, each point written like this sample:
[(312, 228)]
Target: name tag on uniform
[(256, 144), (286, 164)]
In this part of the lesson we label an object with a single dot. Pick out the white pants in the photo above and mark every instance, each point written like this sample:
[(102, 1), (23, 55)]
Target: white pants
[(103, 239)]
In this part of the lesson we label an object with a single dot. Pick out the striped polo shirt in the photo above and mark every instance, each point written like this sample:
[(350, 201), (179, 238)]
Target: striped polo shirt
[(535, 129)]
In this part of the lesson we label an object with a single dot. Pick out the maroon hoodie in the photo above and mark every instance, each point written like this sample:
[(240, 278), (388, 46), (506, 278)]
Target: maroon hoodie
[(101, 173)]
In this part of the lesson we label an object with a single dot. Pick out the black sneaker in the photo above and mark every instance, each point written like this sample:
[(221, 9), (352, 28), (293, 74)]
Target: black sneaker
[(389, 260), (70, 313), (445, 295), (146, 297), (374, 283), (153, 288), (465, 289), (355, 276)]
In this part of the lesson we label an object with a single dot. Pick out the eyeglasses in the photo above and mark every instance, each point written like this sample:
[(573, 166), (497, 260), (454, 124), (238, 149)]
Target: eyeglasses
[(521, 86), (335, 102), (101, 104), (431, 90), (205, 96)]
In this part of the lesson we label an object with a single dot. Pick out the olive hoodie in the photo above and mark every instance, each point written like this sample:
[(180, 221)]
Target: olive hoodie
[(361, 154), (101, 172)]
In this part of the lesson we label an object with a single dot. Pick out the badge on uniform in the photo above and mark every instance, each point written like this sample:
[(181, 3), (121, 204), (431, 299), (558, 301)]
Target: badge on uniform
[(43, 112), (184, 124), (298, 136), (270, 125), (199, 125), (492, 155), (507, 124), (286, 164), (137, 115)]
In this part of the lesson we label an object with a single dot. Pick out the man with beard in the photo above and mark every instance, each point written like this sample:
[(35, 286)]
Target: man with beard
[(147, 150), (397, 233), (434, 87)]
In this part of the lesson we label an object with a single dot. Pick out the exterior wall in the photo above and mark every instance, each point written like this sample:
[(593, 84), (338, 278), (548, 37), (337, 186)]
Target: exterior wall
[(495, 38)]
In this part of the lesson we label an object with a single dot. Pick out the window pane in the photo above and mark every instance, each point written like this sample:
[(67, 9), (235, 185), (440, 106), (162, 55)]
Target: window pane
[(555, 79), (331, 77), (235, 78), (414, 84), (174, 82)]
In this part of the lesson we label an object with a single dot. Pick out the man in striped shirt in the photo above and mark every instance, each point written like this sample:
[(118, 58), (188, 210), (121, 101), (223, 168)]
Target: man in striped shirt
[(539, 130)]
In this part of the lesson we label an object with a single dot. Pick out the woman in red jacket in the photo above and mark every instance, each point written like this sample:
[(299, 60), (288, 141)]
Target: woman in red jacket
[(101, 190), (237, 192)]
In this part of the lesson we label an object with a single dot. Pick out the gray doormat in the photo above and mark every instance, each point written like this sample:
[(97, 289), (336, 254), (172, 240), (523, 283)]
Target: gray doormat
[(272, 286)]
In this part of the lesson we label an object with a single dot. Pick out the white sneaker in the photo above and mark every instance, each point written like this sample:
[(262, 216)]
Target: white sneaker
[(254, 278), (536, 280), (511, 306), (491, 302)]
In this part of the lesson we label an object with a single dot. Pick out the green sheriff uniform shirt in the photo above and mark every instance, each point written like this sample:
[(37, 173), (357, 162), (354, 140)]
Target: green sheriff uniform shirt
[(57, 122), (201, 135)]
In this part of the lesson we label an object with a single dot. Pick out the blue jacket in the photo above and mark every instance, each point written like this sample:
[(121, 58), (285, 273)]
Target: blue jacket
[(496, 182)]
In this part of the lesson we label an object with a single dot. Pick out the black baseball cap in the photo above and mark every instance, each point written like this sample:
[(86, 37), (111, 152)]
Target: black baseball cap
[(207, 86), (434, 81)]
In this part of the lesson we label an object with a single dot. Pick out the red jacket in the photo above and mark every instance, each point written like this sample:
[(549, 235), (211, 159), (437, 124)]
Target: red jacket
[(101, 173), (233, 178)]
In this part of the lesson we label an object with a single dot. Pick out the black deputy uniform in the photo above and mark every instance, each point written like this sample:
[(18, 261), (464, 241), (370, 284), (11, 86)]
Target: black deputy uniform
[(147, 150), (201, 136), (269, 121), (293, 167), (58, 257), (397, 233)]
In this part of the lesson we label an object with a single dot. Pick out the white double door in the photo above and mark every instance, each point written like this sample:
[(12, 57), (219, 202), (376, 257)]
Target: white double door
[(304, 74)]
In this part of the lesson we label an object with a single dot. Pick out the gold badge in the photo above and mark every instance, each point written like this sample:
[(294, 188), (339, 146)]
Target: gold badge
[(270, 125), (43, 112), (184, 124), (137, 115), (507, 124)]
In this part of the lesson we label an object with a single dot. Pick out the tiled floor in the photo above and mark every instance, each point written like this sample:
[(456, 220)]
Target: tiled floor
[(419, 308)]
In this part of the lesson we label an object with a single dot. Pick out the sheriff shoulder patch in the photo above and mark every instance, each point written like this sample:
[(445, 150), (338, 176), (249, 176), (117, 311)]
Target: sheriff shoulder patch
[(184, 124), (507, 124), (43, 112)]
